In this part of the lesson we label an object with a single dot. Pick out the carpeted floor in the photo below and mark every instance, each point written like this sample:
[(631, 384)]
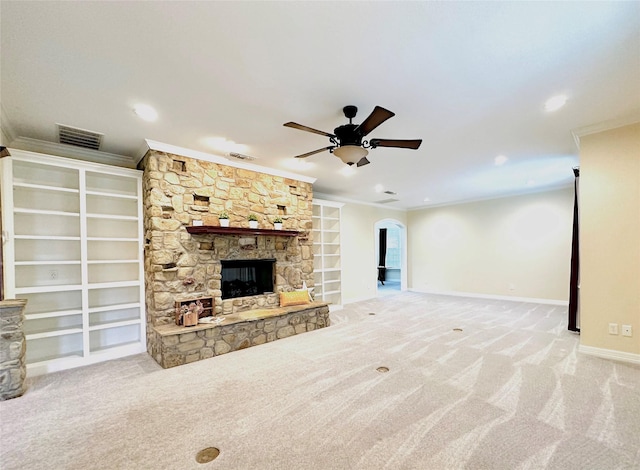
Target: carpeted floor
[(508, 391)]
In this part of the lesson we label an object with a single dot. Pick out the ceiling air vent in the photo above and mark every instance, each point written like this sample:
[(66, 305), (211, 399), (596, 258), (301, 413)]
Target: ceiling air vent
[(79, 137), (239, 156)]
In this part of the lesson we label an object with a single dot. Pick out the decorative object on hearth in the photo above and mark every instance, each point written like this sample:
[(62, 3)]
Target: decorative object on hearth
[(297, 297), (188, 312), (277, 223), (253, 221), (223, 218), (347, 140)]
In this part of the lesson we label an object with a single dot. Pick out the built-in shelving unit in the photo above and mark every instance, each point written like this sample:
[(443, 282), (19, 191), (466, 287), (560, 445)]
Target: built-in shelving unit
[(326, 251), (74, 251)]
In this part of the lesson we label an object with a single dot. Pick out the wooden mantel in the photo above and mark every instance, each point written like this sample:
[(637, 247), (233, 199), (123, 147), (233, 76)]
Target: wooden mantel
[(216, 229)]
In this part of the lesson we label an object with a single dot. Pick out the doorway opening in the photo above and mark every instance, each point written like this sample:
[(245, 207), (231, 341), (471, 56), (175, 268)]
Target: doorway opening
[(390, 256)]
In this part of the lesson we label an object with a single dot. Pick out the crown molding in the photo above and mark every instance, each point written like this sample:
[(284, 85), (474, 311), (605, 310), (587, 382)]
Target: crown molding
[(173, 149), (70, 151), (509, 195), (6, 129), (345, 200), (604, 126)]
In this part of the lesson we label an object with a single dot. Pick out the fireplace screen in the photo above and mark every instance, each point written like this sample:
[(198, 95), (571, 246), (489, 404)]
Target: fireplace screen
[(241, 278)]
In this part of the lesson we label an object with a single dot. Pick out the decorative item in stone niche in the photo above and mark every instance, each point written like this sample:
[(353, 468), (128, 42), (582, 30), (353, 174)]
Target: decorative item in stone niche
[(253, 221), (188, 312), (248, 243), (223, 218), (277, 223)]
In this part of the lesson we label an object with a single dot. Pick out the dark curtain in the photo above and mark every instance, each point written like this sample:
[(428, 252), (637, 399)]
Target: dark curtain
[(575, 261), (382, 255), (382, 258)]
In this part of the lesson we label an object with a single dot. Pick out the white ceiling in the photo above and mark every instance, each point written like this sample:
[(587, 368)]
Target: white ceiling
[(469, 78)]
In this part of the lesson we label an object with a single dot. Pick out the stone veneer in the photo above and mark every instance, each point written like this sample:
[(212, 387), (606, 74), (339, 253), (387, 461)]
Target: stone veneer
[(176, 345), (13, 369), (179, 266)]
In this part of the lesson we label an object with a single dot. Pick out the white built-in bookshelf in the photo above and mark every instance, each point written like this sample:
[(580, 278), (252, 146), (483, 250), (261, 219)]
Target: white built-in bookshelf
[(326, 251), (73, 249)]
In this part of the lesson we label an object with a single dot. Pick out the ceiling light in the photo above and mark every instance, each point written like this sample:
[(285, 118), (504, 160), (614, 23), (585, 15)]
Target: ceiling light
[(554, 103), (379, 188), (426, 199), (500, 160), (223, 145), (146, 112), (297, 164), (350, 154)]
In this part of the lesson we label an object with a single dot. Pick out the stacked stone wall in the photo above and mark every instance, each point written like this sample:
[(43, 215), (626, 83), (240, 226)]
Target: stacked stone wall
[(13, 369), (179, 266)]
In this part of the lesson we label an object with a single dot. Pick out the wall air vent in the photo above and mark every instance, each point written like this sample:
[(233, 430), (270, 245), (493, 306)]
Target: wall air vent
[(239, 156), (386, 201), (79, 137)]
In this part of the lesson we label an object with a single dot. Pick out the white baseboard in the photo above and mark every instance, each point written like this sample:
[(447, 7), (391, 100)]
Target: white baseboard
[(610, 354), (534, 300)]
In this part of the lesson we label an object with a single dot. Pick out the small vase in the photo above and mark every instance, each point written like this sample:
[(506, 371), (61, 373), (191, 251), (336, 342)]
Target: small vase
[(224, 222), (253, 224), (277, 226), (190, 318)]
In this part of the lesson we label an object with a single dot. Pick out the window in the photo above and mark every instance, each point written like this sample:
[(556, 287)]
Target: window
[(394, 259)]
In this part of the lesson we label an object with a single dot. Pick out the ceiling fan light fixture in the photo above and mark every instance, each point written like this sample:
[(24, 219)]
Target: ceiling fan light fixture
[(350, 154)]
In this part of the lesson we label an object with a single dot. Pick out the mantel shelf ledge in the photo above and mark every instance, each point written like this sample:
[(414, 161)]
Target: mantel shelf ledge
[(215, 229)]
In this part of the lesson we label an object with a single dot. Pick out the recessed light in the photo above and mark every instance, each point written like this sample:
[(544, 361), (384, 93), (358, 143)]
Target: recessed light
[(347, 170), (223, 145), (146, 112), (297, 164), (530, 183), (555, 102), (379, 188), (500, 160), (426, 199)]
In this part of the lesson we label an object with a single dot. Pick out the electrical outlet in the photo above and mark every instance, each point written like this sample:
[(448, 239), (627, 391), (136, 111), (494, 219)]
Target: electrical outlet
[(512, 287), (53, 274), (613, 328), (626, 330)]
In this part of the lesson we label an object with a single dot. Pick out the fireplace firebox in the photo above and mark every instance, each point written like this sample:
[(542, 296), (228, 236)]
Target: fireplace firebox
[(242, 278)]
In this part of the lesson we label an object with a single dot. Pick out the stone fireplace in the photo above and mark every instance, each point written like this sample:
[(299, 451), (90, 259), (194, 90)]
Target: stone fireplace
[(179, 265), (244, 278)]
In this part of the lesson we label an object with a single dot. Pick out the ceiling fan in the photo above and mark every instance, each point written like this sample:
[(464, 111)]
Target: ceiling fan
[(348, 144)]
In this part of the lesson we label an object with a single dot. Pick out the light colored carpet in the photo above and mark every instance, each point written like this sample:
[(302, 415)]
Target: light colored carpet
[(509, 391)]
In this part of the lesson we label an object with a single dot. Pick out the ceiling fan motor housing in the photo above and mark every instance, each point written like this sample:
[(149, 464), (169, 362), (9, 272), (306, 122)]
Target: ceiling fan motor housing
[(347, 135), (350, 112)]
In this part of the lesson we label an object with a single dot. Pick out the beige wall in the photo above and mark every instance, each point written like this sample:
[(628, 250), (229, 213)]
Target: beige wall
[(610, 237), (517, 246), (359, 257)]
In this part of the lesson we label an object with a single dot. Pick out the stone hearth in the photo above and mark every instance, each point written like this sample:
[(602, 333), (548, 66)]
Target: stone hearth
[(176, 345)]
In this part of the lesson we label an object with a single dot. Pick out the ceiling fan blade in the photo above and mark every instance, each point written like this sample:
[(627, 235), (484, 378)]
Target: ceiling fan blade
[(362, 162), (308, 154), (377, 117), (295, 125), (403, 144)]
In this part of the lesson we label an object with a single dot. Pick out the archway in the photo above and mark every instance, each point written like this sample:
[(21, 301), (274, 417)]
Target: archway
[(393, 276)]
